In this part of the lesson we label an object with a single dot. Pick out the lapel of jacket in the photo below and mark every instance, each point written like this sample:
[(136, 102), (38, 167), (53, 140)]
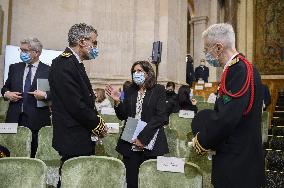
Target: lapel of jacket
[(82, 71), (37, 74), (21, 72), (146, 101), (133, 93)]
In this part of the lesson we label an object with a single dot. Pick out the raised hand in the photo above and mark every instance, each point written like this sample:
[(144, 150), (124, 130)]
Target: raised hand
[(112, 93)]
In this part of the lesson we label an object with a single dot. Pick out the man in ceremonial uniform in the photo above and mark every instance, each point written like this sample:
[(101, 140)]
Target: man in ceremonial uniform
[(232, 131), (74, 117)]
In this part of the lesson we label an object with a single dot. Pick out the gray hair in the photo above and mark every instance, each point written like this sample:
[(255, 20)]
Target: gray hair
[(220, 33), (78, 32), (34, 43)]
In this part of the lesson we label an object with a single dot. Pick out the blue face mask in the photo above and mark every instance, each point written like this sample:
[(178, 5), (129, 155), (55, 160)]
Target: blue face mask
[(94, 52), (25, 57), (212, 60), (138, 78)]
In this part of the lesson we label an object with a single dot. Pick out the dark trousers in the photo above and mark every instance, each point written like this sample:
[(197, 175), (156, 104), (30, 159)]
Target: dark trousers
[(65, 158), (132, 164), (23, 121)]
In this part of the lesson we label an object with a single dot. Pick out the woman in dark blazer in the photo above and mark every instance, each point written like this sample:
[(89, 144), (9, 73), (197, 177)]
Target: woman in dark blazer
[(144, 100), (184, 100)]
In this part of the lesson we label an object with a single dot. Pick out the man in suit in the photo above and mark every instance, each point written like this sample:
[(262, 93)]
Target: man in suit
[(20, 89), (202, 72), (231, 133), (74, 117), (190, 77)]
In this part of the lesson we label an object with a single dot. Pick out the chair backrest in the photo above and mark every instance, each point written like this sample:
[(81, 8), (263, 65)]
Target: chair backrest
[(111, 119), (198, 98), (22, 172), (150, 177), (93, 171), (18, 144), (181, 125), (3, 109), (109, 144), (264, 125), (204, 164), (172, 139), (204, 105), (45, 150)]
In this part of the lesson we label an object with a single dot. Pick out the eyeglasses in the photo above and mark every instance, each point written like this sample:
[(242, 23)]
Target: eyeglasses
[(95, 43), (25, 50)]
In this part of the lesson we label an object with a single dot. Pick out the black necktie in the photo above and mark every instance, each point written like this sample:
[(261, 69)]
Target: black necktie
[(27, 86)]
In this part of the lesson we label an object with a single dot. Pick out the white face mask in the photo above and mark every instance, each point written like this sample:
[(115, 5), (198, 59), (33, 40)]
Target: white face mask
[(138, 78)]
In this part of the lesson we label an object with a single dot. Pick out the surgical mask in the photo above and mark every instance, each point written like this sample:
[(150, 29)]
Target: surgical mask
[(25, 57), (138, 78), (94, 52), (170, 92), (212, 60)]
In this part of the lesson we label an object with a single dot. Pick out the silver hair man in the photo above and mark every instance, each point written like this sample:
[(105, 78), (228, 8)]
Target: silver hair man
[(78, 32), (220, 33), (34, 43)]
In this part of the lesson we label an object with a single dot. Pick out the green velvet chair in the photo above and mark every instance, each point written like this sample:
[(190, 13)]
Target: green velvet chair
[(204, 163), (264, 126), (173, 142), (150, 177), (109, 144), (93, 171), (19, 144), (48, 155), (3, 109), (183, 128), (181, 125), (204, 105), (22, 172), (198, 98), (111, 119)]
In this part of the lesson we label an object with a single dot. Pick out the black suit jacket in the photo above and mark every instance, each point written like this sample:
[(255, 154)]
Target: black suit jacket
[(73, 114), (37, 117), (236, 138), (153, 113), (190, 75), (202, 72)]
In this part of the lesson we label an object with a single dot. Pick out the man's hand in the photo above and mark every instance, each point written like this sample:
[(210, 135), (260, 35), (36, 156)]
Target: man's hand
[(13, 96), (38, 94)]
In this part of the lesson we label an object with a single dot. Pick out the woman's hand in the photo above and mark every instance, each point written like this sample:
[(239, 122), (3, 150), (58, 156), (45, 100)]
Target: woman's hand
[(112, 93), (138, 143), (193, 101)]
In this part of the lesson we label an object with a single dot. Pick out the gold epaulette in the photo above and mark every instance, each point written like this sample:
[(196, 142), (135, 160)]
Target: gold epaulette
[(66, 54), (2, 154), (197, 147), (100, 127), (234, 61)]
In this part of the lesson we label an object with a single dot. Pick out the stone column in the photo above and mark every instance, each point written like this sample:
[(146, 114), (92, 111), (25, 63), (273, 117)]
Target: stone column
[(198, 25)]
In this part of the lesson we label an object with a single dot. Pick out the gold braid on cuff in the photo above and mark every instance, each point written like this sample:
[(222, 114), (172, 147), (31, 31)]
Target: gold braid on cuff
[(2, 154), (100, 127), (198, 148)]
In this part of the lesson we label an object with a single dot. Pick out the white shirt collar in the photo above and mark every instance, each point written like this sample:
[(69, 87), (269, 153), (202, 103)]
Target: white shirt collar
[(76, 55), (228, 62), (35, 64)]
